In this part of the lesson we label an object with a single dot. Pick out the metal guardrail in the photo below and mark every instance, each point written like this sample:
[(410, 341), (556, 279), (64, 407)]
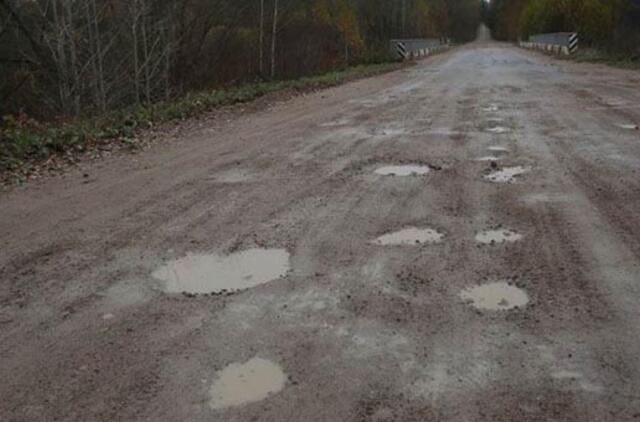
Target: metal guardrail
[(416, 47), (558, 43)]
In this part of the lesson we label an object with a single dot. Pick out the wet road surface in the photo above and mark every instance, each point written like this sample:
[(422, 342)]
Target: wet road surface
[(448, 286)]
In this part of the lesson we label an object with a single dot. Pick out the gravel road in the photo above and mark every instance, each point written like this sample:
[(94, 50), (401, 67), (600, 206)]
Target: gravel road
[(497, 279)]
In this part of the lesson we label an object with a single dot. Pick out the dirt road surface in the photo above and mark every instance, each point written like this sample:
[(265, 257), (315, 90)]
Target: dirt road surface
[(336, 326)]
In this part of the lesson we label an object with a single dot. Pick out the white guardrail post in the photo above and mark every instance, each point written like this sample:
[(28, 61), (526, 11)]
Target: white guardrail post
[(557, 43), (405, 49)]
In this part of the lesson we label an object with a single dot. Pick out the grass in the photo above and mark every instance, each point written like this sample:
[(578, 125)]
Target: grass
[(620, 60), (25, 140)]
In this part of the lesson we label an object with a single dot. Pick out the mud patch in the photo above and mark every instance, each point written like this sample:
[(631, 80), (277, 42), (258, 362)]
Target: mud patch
[(410, 236), (499, 296), (203, 274), (507, 174), (403, 171), (491, 237), (250, 382)]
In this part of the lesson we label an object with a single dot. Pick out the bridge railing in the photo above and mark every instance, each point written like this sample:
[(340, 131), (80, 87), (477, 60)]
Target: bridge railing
[(559, 42), (411, 48)]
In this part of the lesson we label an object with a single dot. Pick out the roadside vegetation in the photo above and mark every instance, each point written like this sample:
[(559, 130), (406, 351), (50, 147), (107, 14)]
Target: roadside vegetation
[(80, 71), (609, 30), (24, 139)]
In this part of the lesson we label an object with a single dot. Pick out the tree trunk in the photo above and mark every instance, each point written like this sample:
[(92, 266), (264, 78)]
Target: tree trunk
[(136, 54), (261, 47), (274, 34), (100, 56)]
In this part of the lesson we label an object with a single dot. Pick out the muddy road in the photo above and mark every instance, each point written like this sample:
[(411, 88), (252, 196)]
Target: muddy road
[(455, 241)]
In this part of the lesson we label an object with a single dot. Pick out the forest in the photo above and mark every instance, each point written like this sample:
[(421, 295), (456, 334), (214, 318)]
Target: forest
[(612, 25), (86, 57)]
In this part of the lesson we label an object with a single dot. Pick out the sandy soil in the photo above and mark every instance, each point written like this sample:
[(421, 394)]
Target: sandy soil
[(363, 331)]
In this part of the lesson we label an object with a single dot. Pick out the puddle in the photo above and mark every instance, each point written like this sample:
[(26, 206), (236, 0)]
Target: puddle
[(629, 126), (336, 123), (488, 158), (411, 170), (233, 176), (498, 149), (491, 237), (498, 296), (411, 236), (492, 108), (249, 382), (507, 174), (498, 129), (201, 274)]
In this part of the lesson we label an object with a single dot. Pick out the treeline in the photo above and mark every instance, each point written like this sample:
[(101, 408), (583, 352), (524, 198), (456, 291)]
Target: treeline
[(82, 57), (609, 24)]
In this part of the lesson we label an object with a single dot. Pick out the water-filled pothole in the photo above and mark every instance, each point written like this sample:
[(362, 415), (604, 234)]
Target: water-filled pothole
[(498, 129), (406, 170), (202, 274), (491, 108), (499, 296), (489, 158), (234, 175), (410, 236), (498, 149), (629, 126), (336, 123), (507, 174), (249, 382), (491, 237)]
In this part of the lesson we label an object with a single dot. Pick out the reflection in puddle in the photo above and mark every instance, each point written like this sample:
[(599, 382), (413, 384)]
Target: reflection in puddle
[(498, 296), (410, 236), (498, 236), (238, 384), (202, 274), (411, 170), (507, 174)]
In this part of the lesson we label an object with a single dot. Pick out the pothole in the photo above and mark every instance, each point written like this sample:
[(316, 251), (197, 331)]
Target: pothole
[(233, 176), (488, 158), (336, 123), (498, 129), (498, 149), (491, 108), (249, 382), (629, 126), (407, 170), (499, 296), (410, 236), (490, 237), (203, 274), (507, 174)]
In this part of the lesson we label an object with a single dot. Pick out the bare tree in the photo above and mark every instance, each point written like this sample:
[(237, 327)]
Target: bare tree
[(274, 33)]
